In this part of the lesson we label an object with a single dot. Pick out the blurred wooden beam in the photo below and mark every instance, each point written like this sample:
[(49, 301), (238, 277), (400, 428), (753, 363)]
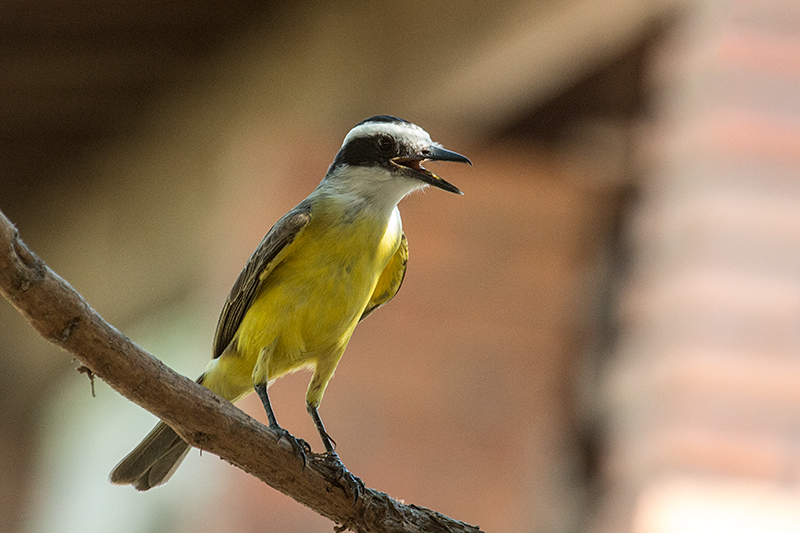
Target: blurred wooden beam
[(536, 56)]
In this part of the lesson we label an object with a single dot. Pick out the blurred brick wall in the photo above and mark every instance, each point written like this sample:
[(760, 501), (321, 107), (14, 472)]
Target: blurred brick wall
[(703, 395)]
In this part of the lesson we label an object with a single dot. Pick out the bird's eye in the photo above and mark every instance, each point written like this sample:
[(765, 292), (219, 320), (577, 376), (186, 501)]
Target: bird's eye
[(385, 144)]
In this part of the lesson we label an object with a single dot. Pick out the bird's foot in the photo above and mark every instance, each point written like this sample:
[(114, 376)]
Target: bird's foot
[(350, 483), (301, 448)]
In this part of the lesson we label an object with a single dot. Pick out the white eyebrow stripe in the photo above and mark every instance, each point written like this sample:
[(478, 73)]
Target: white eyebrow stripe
[(400, 131)]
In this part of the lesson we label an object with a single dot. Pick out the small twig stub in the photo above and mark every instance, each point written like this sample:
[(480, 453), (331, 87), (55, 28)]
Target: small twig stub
[(86, 370)]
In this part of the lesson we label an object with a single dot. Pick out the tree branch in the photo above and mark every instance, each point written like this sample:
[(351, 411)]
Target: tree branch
[(202, 418)]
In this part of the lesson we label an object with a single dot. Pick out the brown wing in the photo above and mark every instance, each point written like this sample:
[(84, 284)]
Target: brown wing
[(268, 254), (390, 280)]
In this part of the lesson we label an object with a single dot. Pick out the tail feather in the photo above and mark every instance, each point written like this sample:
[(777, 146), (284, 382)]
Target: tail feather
[(153, 461)]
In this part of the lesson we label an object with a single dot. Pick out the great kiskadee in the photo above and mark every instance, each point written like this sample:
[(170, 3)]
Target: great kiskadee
[(321, 269)]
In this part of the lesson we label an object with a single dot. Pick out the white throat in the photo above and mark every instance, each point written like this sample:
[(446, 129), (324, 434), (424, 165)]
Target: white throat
[(372, 187)]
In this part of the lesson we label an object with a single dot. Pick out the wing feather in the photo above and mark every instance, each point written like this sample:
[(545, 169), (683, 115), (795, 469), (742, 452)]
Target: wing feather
[(390, 280), (269, 253)]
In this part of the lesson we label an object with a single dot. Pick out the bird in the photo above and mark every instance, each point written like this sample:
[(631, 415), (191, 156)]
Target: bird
[(324, 266)]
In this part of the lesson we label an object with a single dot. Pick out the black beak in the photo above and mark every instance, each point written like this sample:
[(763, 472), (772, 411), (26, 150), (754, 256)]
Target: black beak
[(437, 153), (433, 153)]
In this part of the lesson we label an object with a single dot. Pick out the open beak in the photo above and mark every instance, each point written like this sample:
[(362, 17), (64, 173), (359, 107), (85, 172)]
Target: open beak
[(434, 153)]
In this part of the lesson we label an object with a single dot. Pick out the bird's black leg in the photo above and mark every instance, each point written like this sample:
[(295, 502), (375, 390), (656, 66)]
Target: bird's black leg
[(355, 484), (330, 444), (299, 445)]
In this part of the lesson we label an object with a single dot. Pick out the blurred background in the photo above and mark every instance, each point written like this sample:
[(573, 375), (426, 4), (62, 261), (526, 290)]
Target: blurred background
[(601, 335)]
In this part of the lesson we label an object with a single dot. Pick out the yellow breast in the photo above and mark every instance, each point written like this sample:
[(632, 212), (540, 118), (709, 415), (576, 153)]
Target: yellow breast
[(311, 302)]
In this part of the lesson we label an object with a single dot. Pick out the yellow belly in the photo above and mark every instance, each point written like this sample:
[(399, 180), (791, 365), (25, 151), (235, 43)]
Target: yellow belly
[(310, 303)]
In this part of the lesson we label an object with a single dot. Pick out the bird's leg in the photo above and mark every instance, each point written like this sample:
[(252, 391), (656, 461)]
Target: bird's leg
[(330, 444), (331, 458), (316, 389), (299, 445)]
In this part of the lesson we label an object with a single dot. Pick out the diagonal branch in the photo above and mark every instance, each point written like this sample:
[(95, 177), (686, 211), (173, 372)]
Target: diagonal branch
[(202, 418)]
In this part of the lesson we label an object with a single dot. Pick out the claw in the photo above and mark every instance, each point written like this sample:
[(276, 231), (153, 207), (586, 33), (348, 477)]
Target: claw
[(349, 483), (300, 447)]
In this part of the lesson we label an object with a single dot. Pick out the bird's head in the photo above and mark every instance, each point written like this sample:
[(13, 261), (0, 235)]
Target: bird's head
[(393, 149)]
